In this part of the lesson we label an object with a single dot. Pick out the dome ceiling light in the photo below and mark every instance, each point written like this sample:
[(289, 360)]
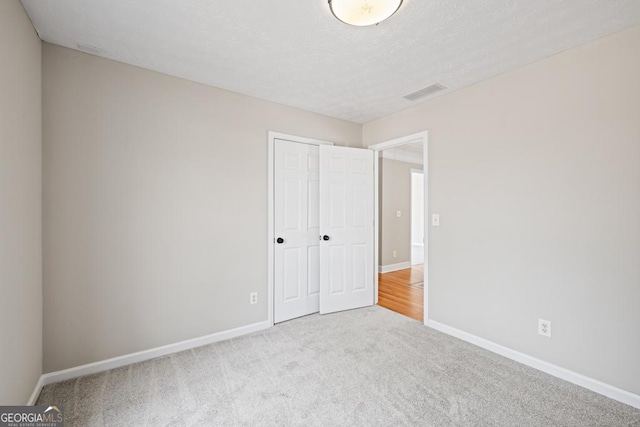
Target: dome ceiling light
[(362, 13)]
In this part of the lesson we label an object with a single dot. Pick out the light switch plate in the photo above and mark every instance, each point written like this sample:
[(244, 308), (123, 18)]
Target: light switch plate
[(435, 220), (398, 214)]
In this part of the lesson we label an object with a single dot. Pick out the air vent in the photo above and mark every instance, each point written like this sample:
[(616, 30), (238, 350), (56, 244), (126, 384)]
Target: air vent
[(427, 91), (89, 49)]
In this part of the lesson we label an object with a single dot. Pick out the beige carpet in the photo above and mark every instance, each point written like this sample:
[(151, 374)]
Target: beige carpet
[(363, 367)]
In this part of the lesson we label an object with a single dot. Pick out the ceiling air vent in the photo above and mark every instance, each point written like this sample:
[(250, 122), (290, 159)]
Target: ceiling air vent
[(427, 91), (89, 49)]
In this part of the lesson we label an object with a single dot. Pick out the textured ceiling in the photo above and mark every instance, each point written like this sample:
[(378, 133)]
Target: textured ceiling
[(296, 53)]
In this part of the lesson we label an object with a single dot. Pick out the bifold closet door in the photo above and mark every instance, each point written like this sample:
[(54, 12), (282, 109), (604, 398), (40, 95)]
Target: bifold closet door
[(296, 217), (323, 201), (346, 228)]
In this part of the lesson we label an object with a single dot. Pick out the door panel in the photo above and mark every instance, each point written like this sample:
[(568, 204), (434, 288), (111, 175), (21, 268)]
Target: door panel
[(346, 217), (313, 269), (296, 221), (335, 272)]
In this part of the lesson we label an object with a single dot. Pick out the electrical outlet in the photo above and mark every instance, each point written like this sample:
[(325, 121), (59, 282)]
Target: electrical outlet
[(253, 298), (398, 214), (394, 254), (544, 327)]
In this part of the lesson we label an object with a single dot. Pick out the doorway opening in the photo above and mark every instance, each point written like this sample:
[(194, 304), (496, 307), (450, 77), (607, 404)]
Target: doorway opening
[(401, 231)]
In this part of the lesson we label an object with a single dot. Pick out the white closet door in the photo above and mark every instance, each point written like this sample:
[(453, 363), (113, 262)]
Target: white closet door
[(346, 226), (296, 255)]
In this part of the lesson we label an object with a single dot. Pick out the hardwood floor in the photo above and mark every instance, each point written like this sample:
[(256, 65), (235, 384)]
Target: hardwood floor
[(403, 291)]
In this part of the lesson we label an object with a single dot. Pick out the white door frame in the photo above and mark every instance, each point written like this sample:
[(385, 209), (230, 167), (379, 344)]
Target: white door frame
[(416, 137), (272, 136)]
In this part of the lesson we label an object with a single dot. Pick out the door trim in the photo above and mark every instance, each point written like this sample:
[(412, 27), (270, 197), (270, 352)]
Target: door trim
[(272, 136), (416, 137)]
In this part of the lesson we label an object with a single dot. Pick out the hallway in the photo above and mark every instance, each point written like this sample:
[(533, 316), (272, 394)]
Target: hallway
[(403, 291)]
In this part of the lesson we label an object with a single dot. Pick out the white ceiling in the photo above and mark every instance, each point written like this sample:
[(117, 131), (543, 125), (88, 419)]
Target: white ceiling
[(296, 53)]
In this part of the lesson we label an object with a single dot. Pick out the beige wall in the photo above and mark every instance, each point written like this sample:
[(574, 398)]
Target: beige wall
[(155, 206), (395, 195), (20, 206), (536, 177)]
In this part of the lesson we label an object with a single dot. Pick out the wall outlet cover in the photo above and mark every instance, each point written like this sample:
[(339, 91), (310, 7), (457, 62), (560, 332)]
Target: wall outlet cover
[(544, 327)]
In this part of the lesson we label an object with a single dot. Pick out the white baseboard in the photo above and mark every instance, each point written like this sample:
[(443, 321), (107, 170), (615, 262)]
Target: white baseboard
[(128, 359), (394, 267), (36, 392), (549, 368), (116, 362)]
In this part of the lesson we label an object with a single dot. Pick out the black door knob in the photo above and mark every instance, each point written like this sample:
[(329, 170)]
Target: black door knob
[(325, 237), (280, 240)]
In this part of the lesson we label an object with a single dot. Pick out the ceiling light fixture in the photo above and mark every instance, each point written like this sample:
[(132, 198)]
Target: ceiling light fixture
[(363, 12)]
